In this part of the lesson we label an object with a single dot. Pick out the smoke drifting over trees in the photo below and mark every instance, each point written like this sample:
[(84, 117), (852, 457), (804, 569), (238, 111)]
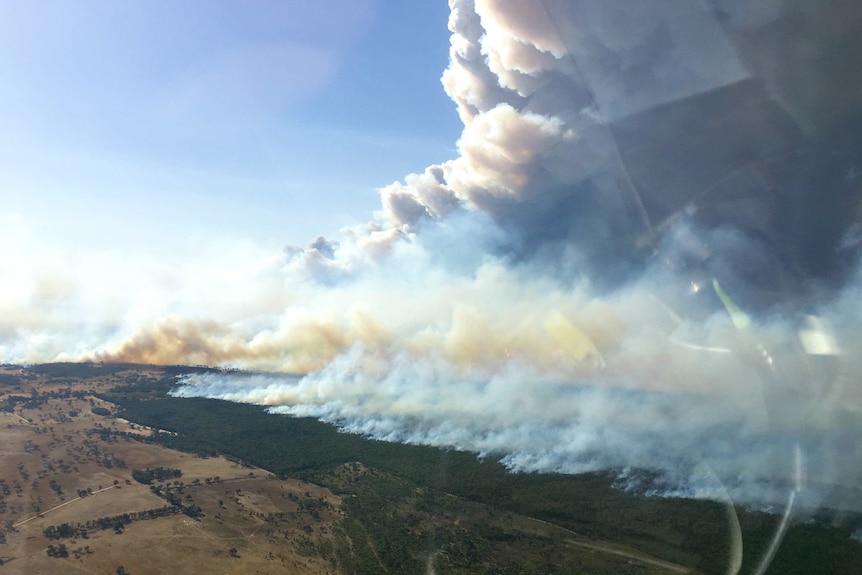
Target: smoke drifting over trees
[(545, 297)]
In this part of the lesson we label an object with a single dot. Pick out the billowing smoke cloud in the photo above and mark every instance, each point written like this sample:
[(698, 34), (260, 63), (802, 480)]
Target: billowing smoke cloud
[(564, 382), (637, 261)]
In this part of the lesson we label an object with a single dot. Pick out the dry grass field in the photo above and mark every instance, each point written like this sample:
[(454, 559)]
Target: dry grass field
[(56, 467)]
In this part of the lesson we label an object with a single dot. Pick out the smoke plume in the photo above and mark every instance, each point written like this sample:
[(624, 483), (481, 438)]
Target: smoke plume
[(616, 272)]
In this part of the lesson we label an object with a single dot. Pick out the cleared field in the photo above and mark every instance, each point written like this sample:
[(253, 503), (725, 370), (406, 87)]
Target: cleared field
[(63, 463)]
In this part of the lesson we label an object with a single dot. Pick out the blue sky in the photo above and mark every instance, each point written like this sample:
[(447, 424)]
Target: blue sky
[(133, 124)]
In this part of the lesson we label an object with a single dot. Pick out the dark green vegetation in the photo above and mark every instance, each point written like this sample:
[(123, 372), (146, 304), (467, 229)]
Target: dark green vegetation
[(118, 522), (410, 505), (147, 475)]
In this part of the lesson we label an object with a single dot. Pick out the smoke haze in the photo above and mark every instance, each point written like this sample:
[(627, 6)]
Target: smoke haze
[(532, 299)]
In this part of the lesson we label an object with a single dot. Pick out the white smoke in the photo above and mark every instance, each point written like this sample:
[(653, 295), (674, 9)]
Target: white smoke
[(508, 371)]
